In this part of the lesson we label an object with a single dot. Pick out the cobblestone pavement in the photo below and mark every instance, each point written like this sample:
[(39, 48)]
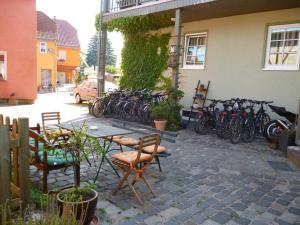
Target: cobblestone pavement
[(207, 181)]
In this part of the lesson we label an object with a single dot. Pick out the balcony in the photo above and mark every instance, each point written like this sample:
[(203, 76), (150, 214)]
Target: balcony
[(117, 5)]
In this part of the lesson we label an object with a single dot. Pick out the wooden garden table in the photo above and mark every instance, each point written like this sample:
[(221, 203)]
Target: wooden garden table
[(103, 132)]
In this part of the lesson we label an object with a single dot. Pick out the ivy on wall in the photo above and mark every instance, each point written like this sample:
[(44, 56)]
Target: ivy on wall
[(145, 53)]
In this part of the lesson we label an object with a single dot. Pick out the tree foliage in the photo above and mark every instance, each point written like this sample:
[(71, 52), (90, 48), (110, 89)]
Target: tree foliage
[(92, 52)]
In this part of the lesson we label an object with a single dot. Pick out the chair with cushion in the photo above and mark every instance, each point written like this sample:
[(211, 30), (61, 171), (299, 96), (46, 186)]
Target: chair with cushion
[(134, 164), (161, 152), (49, 119), (47, 157), (124, 141)]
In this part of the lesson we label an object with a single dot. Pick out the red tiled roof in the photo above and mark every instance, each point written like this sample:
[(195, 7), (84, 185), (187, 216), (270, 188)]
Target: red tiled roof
[(46, 28), (67, 34)]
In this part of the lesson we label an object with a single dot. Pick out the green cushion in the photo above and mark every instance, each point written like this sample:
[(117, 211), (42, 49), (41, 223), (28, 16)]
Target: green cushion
[(54, 157), (57, 157)]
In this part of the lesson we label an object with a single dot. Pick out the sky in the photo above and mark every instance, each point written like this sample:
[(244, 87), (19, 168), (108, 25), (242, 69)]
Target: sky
[(81, 15)]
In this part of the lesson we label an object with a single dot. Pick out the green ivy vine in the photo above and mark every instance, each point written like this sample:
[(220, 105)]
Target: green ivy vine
[(145, 53)]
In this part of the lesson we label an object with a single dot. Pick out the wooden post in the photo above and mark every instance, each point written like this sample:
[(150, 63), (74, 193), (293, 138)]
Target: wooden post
[(15, 163), (24, 159), (5, 173), (1, 119), (298, 127)]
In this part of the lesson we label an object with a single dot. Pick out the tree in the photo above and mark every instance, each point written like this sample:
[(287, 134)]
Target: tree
[(92, 52)]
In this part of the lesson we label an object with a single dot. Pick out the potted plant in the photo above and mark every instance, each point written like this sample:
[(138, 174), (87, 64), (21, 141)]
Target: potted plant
[(160, 114), (81, 200), (286, 139)]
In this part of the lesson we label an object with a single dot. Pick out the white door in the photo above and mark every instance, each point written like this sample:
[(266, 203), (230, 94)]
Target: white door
[(61, 77), (46, 78)]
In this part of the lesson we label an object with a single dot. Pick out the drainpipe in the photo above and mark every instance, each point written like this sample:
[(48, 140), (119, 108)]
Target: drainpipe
[(102, 47), (175, 71), (298, 127)]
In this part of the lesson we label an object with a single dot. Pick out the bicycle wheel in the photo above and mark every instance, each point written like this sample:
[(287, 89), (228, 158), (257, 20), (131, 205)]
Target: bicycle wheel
[(225, 128), (263, 121), (98, 108), (248, 133), (235, 130), (201, 125)]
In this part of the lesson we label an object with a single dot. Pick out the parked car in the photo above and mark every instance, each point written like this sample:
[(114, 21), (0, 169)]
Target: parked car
[(87, 90)]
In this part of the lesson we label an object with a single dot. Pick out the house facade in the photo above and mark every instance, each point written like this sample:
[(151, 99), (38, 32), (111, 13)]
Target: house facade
[(17, 50), (246, 49), (58, 52)]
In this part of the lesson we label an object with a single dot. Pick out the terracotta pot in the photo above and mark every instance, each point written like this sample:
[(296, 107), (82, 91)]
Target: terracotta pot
[(160, 124), (88, 207)]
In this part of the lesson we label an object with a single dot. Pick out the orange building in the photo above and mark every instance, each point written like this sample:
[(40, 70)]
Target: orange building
[(17, 50), (58, 52)]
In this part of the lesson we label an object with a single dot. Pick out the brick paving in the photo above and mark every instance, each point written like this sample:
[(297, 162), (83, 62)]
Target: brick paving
[(207, 181)]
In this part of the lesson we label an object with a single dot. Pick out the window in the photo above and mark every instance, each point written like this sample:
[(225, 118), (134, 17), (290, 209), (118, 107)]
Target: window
[(195, 50), (283, 47), (43, 47), (62, 55), (3, 65)]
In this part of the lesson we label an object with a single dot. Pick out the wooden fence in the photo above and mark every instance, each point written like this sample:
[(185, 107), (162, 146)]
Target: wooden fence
[(14, 161)]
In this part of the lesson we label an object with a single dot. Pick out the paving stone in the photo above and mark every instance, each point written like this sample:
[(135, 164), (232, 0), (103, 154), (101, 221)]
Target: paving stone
[(221, 218), (239, 206), (210, 222), (189, 222), (153, 220), (199, 218), (242, 221), (170, 212), (294, 210)]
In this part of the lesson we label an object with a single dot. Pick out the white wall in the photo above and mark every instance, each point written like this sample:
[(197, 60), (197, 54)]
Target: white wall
[(235, 60)]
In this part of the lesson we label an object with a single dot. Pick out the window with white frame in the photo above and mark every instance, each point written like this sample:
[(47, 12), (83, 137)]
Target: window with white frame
[(3, 65), (62, 55), (195, 50), (43, 47), (283, 47)]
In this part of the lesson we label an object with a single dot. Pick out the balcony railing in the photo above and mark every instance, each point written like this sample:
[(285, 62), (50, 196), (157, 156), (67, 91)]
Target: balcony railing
[(117, 5)]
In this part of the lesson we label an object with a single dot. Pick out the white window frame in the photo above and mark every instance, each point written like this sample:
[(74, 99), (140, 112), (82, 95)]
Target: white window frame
[(199, 67), (268, 49), (63, 59), (5, 65), (46, 47)]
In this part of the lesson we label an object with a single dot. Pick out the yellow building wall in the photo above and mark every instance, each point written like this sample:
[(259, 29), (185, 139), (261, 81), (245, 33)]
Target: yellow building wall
[(72, 57), (47, 61)]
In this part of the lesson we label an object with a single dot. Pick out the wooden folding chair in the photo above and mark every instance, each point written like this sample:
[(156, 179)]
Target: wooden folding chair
[(135, 163), (47, 157), (49, 119)]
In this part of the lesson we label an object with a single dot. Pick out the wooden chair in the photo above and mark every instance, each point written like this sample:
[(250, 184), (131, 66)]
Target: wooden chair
[(47, 157), (49, 126), (133, 143), (135, 163)]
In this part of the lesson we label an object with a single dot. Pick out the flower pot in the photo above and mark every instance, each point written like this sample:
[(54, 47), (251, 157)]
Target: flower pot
[(284, 141), (82, 209), (160, 124)]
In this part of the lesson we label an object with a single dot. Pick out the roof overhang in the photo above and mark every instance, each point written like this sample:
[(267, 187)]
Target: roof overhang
[(204, 9)]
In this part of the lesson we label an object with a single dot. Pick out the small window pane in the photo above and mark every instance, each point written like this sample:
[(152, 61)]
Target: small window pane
[(292, 35), (291, 46), (193, 41), (289, 59), (191, 51), (276, 46), (201, 40), (275, 59), (277, 35), (201, 51)]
